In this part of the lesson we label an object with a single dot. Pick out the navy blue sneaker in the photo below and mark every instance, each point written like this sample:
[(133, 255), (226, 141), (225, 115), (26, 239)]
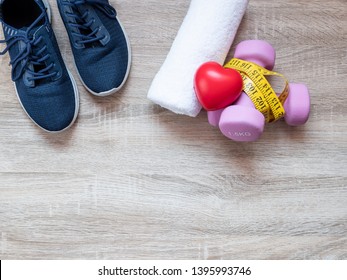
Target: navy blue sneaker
[(99, 44), (45, 88)]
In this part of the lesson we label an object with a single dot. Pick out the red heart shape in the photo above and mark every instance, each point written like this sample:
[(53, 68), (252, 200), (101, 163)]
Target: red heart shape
[(217, 87)]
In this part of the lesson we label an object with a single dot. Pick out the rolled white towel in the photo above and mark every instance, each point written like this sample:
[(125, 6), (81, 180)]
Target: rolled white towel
[(206, 34)]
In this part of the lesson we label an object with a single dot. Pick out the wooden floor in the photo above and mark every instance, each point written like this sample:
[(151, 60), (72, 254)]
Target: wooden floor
[(131, 180)]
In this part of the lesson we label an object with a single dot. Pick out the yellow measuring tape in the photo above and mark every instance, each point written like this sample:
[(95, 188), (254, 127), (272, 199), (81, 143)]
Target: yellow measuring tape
[(259, 90)]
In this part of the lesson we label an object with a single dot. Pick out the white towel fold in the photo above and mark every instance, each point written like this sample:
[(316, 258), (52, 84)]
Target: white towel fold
[(206, 34)]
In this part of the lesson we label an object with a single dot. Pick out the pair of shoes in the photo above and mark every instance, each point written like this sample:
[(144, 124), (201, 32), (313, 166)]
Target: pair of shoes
[(45, 88)]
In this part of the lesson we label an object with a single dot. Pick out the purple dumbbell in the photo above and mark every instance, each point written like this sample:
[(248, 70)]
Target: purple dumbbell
[(242, 121)]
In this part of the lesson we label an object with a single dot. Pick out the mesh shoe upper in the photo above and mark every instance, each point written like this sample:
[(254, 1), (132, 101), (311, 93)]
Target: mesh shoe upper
[(99, 45), (44, 86)]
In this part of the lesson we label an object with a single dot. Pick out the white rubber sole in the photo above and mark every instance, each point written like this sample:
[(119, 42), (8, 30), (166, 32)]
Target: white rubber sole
[(73, 84), (114, 90)]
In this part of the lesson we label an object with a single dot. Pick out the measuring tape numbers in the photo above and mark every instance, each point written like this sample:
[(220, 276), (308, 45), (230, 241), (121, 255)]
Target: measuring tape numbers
[(259, 90)]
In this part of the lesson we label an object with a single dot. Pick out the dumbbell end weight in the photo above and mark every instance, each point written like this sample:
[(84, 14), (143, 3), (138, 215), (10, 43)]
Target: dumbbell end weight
[(257, 51), (242, 124), (297, 105)]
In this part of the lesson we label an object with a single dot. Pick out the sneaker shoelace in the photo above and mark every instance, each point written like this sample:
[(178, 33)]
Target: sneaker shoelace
[(31, 58), (81, 20)]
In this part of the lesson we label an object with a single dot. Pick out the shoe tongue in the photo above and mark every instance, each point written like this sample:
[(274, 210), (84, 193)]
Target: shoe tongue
[(32, 30)]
